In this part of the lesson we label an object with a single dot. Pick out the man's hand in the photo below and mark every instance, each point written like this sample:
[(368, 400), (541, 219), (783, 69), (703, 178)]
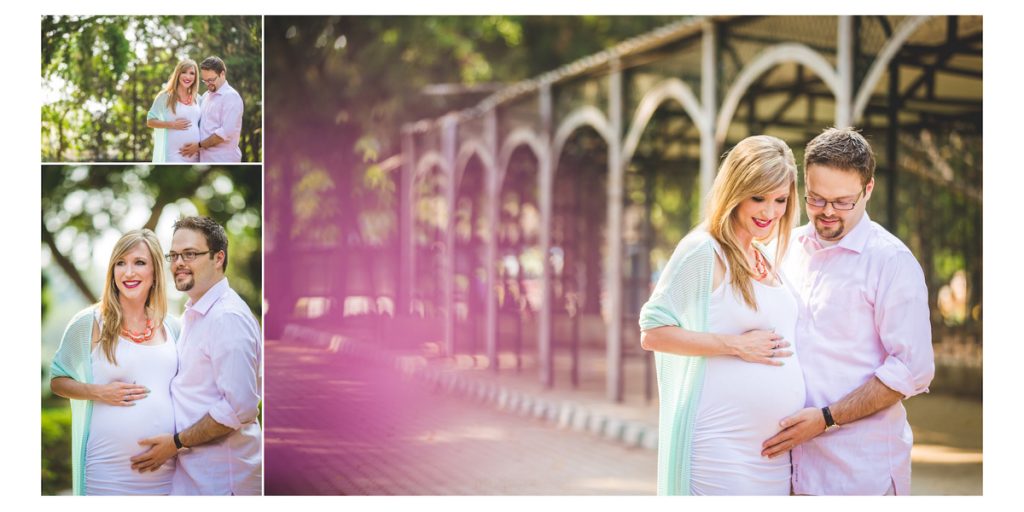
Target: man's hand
[(189, 149), (161, 448), (801, 427)]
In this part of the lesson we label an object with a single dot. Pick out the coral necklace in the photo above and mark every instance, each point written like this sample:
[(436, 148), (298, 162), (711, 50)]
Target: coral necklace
[(141, 337), (760, 265)]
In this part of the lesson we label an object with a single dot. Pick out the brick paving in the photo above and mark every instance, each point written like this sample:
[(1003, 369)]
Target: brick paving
[(338, 425)]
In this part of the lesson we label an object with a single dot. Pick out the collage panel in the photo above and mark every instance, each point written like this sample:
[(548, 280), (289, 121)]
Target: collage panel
[(491, 250), (151, 329), (175, 89)]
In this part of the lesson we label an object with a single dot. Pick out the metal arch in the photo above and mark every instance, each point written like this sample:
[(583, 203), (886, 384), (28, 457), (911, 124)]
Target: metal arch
[(427, 161), (583, 116), (518, 137), (770, 57), (672, 88), (466, 151), (881, 63)]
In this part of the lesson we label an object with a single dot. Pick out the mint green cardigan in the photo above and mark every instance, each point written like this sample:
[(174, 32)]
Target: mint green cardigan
[(74, 360), (160, 112), (681, 298)]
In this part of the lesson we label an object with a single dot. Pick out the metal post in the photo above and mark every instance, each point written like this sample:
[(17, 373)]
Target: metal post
[(406, 284), (892, 130), (546, 182), (449, 128), (613, 268), (491, 251), (709, 99), (844, 68)]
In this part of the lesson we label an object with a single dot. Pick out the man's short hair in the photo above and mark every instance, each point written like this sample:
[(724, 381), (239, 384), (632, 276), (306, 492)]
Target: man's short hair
[(213, 64), (844, 149), (216, 238)]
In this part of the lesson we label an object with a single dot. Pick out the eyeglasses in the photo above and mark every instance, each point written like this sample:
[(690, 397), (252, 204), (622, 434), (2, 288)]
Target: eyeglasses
[(817, 202), (209, 80), (185, 255)]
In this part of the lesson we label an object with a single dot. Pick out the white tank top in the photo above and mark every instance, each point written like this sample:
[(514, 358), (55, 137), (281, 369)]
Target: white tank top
[(742, 403), (178, 138), (115, 431)]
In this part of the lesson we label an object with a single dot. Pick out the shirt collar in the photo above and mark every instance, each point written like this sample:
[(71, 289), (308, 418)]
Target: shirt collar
[(222, 89), (209, 298), (854, 240)]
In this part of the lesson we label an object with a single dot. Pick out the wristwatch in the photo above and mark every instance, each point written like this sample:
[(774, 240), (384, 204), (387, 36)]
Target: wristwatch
[(177, 442), (830, 424)]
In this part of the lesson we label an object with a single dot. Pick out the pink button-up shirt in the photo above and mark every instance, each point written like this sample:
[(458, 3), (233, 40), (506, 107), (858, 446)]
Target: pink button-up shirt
[(222, 116), (863, 314), (219, 354)]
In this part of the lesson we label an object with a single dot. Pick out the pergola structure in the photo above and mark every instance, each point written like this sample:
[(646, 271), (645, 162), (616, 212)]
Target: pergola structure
[(715, 80)]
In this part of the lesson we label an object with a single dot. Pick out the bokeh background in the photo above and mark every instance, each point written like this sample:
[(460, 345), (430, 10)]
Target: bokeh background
[(100, 75), (85, 209)]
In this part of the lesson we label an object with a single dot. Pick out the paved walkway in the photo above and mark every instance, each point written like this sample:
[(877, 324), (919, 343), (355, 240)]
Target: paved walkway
[(342, 419), (338, 425)]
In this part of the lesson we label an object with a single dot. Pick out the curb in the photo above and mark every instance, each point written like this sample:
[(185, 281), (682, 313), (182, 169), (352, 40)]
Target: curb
[(563, 415)]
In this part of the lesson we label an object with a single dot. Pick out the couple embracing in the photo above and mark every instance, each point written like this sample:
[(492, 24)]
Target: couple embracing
[(162, 406), (782, 372), (192, 128)]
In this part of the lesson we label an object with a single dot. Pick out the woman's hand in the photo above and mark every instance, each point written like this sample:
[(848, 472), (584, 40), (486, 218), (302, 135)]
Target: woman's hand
[(180, 124), (759, 346), (122, 394)]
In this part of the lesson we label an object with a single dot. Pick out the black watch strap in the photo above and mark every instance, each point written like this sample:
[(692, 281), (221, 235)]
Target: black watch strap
[(829, 422), (177, 442)]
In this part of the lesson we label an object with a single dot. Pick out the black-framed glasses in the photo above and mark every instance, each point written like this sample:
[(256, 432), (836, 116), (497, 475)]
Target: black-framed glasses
[(844, 206), (209, 80), (184, 255)]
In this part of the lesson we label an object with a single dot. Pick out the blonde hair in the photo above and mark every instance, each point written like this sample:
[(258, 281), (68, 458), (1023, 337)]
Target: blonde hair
[(172, 84), (756, 166), (110, 305)]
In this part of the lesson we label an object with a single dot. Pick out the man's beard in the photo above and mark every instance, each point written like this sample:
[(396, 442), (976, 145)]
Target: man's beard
[(185, 286), (829, 233)]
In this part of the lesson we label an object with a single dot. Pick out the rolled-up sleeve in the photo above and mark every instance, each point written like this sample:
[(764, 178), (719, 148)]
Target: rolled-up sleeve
[(904, 326), (657, 312), (234, 354), (230, 118)]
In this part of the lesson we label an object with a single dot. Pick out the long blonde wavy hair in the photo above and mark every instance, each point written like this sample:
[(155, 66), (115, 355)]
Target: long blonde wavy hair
[(172, 85), (756, 166), (110, 304)]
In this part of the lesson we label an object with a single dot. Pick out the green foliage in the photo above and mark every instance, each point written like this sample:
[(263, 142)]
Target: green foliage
[(56, 449), (101, 74)]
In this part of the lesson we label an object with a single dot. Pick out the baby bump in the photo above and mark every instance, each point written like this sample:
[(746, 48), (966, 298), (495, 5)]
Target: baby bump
[(749, 398), (178, 138), (116, 430)]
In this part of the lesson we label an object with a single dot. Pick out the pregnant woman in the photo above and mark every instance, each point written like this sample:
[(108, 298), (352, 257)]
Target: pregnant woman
[(174, 115), (115, 362), (721, 323)]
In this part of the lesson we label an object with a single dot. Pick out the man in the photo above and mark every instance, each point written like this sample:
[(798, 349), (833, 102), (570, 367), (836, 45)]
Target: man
[(216, 392), (220, 121), (863, 335)]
